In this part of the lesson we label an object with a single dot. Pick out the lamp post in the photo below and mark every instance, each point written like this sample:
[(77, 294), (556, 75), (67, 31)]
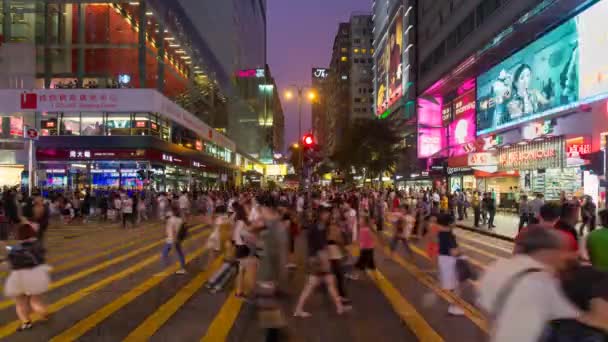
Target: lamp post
[(299, 92)]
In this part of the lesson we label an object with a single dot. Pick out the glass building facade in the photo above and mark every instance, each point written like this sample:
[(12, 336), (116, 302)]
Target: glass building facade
[(81, 46)]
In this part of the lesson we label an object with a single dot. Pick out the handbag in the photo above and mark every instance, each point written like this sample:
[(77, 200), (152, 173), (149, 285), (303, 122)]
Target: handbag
[(26, 255), (464, 270)]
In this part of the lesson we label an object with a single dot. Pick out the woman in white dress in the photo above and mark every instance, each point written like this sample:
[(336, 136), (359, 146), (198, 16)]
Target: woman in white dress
[(29, 277)]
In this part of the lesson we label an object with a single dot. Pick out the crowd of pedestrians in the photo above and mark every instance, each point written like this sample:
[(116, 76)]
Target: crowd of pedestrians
[(554, 288)]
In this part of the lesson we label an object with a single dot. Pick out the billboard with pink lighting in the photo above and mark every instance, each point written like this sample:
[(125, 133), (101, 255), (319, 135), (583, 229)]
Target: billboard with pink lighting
[(461, 131), (431, 133)]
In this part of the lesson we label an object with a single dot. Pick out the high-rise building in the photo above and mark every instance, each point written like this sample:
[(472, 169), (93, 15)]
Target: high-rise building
[(394, 35), (338, 89), (511, 95), (319, 81), (361, 63), (235, 32), (115, 89), (349, 86)]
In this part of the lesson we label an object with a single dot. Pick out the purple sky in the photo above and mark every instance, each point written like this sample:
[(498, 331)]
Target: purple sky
[(300, 36)]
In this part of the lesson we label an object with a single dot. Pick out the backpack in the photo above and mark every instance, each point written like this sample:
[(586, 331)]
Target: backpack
[(182, 232), (26, 255)]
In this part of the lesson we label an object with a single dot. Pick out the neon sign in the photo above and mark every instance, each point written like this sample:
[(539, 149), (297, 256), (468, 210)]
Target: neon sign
[(321, 73)]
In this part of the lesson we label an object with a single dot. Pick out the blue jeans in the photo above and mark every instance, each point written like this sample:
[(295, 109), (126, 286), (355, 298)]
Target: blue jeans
[(178, 250)]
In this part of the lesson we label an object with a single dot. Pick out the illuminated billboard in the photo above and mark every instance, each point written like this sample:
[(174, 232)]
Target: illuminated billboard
[(431, 133), (461, 130), (552, 74), (395, 59), (382, 63)]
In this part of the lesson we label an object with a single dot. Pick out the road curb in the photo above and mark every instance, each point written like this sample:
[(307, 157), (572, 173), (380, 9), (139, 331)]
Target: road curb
[(485, 232)]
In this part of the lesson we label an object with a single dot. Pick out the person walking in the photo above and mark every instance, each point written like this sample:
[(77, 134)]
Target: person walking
[(535, 206), (597, 244), (29, 277), (126, 208), (448, 255), (587, 288), (525, 213), (490, 205), (319, 264), (476, 203), (172, 228), (588, 210), (366, 245), (522, 294)]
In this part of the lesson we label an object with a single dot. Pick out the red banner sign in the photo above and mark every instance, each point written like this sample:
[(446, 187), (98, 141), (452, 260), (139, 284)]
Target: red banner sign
[(577, 147)]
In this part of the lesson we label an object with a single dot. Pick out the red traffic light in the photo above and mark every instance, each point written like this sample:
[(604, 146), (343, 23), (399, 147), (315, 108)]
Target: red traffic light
[(308, 140)]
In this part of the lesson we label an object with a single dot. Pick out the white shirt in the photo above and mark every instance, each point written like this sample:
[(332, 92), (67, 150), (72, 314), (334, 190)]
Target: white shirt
[(536, 299), (237, 234), (184, 203), (173, 224), (300, 204), (436, 197), (127, 206)]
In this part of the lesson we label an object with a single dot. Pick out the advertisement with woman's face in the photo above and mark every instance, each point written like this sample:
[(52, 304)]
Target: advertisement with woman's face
[(542, 76), (561, 68)]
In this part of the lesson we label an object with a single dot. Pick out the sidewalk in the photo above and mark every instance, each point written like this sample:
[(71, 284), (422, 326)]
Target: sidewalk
[(506, 225)]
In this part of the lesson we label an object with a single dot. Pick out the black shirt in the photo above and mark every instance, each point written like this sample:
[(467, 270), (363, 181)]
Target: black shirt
[(317, 238), (447, 241), (568, 330)]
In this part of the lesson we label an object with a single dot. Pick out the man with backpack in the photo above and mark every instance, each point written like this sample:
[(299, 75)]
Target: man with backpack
[(522, 294), (175, 233)]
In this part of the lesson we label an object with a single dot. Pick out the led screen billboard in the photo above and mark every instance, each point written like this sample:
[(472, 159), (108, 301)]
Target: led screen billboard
[(431, 133), (549, 75), (461, 130), (381, 79), (395, 63)]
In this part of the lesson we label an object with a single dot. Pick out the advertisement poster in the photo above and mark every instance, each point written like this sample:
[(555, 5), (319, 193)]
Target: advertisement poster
[(556, 71), (539, 77), (431, 133), (381, 80), (462, 128), (16, 126), (395, 69), (446, 114)]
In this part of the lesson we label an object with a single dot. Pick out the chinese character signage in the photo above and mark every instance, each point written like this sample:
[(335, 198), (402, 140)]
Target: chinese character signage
[(482, 159), (446, 113), (576, 149)]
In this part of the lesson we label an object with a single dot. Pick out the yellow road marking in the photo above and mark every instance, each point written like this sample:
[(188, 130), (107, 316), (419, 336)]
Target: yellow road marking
[(497, 245), (423, 254), (10, 328), (72, 254), (84, 325), (470, 311), (155, 321), (84, 260), (222, 324), (96, 268), (406, 311)]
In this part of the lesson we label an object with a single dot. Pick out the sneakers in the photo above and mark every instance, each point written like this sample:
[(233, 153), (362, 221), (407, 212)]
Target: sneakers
[(25, 326), (455, 310)]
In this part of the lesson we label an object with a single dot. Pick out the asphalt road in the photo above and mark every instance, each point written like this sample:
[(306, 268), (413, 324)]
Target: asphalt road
[(109, 285)]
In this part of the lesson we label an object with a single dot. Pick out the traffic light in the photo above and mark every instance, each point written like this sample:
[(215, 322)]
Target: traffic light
[(308, 140)]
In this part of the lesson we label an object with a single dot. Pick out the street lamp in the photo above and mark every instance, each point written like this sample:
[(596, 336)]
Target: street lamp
[(298, 90)]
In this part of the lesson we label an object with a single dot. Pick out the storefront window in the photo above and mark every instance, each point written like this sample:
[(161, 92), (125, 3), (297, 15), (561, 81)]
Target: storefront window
[(69, 124), (119, 124), (92, 124), (49, 125), (141, 124)]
